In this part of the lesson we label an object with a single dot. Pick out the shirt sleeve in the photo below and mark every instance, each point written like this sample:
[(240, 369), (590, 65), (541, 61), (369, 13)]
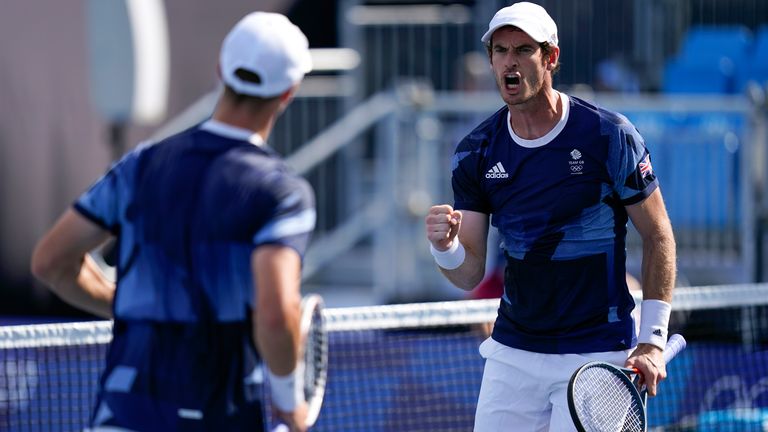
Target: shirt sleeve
[(635, 178), (467, 190), (101, 202), (294, 217)]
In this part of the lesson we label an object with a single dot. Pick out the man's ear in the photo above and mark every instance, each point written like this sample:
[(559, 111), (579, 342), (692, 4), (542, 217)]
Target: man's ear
[(287, 96), (553, 58)]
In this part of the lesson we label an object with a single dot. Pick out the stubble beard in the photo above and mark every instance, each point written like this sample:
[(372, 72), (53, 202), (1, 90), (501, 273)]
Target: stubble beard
[(527, 92)]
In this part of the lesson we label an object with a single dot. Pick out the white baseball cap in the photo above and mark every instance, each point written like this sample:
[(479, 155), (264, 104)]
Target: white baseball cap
[(528, 17), (271, 49)]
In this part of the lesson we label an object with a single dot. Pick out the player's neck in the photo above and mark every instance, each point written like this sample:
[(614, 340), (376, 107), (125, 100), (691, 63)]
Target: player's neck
[(538, 116), (260, 122)]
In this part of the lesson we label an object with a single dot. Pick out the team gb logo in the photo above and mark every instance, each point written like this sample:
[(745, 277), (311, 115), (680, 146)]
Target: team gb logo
[(576, 165)]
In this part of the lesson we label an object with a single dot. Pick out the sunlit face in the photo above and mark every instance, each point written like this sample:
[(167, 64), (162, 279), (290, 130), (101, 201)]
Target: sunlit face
[(519, 65)]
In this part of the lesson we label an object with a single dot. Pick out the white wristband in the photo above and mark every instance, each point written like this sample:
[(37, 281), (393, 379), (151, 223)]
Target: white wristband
[(654, 321), (449, 259), (287, 391)]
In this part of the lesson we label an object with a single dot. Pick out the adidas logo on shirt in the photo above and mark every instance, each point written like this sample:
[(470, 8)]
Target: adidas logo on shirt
[(497, 172)]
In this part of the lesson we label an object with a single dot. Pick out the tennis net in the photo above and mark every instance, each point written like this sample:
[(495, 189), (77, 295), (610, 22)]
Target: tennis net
[(415, 367)]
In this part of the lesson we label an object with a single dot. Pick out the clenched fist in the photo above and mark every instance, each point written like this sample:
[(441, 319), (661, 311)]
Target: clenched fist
[(443, 224)]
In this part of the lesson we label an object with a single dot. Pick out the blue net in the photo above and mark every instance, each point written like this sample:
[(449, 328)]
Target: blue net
[(416, 367)]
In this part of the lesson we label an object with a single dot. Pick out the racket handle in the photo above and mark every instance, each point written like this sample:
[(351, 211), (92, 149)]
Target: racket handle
[(675, 344)]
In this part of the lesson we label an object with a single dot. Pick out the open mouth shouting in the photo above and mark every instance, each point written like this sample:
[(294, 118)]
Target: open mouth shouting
[(512, 81)]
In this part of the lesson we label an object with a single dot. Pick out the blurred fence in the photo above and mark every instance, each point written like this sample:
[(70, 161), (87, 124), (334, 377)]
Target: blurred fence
[(375, 140), (708, 153), (378, 167), (372, 137)]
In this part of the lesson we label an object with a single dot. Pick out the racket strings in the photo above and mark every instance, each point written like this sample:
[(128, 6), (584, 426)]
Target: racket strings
[(315, 356), (606, 403)]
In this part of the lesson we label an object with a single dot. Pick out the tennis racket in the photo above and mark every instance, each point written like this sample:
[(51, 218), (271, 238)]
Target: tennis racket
[(605, 398), (315, 358)]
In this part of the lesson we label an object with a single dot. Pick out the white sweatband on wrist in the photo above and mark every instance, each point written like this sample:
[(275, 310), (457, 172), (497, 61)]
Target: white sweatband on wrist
[(654, 321), (287, 391), (449, 259)]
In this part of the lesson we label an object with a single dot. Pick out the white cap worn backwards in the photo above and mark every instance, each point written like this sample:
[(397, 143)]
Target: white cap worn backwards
[(264, 55), (528, 17)]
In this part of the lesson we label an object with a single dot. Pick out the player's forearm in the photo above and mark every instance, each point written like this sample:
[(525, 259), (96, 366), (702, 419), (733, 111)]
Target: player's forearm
[(659, 266), (81, 284), (469, 273), (277, 338), (61, 260)]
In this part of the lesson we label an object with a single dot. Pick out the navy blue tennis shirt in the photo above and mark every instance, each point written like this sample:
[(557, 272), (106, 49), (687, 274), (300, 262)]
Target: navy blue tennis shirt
[(188, 212), (558, 203)]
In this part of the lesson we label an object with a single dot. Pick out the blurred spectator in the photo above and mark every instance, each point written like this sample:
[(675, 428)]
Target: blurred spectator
[(615, 74), (474, 72)]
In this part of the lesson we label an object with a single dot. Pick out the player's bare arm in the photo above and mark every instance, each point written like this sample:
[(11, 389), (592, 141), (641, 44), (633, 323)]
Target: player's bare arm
[(277, 276), (443, 225), (61, 261), (658, 277)]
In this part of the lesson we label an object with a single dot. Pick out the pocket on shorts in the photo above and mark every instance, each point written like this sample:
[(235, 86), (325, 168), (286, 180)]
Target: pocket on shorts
[(489, 347)]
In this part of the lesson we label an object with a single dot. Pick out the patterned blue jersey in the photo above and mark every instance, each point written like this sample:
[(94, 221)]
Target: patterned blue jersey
[(558, 203), (188, 212)]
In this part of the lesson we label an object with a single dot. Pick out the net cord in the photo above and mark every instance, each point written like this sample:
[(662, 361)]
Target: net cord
[(385, 317)]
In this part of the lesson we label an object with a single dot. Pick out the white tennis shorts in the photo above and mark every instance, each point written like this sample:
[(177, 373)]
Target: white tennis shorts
[(525, 391)]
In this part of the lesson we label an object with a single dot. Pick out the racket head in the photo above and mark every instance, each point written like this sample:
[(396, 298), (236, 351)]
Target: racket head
[(315, 355), (602, 397)]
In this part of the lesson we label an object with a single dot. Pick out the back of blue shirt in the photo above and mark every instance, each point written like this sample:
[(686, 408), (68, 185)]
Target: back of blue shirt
[(558, 203), (188, 212)]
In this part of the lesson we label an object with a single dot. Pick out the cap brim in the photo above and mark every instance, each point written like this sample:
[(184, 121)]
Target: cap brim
[(486, 39)]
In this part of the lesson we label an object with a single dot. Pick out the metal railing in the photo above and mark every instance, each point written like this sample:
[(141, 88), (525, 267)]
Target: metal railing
[(708, 153)]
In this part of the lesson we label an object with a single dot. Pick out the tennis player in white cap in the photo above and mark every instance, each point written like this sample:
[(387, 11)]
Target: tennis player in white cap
[(211, 228), (560, 178)]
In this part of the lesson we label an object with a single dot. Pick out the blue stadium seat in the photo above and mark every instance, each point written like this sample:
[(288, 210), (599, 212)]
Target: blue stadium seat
[(681, 77), (708, 60), (698, 165), (756, 64), (706, 45), (760, 51)]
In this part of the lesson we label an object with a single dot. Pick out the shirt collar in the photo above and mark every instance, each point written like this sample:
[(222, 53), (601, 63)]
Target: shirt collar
[(552, 134), (233, 132)]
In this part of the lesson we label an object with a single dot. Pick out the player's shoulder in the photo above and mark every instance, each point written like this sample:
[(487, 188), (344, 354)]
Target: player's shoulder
[(608, 118), (485, 132), (134, 158), (171, 143), (163, 150), (257, 159), (182, 136), (289, 188), (264, 168)]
